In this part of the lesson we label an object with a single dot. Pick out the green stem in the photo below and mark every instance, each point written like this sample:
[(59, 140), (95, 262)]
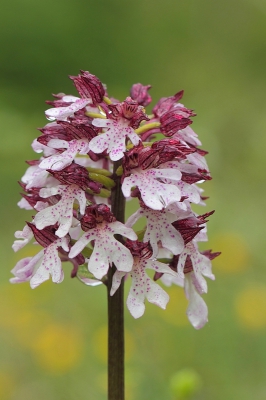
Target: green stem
[(147, 127), (116, 310)]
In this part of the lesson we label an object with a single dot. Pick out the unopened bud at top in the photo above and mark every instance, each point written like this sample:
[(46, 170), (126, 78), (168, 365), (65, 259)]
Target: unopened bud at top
[(89, 86), (140, 93)]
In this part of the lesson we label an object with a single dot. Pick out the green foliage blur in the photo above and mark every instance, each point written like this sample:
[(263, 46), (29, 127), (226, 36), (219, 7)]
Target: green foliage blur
[(53, 338)]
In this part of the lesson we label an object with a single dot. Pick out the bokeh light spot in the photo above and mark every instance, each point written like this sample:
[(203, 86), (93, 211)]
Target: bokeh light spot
[(185, 383), (58, 348), (250, 306), (20, 317), (235, 252)]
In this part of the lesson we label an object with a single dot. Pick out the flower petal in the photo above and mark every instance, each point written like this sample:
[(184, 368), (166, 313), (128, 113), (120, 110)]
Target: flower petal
[(117, 277), (81, 243), (99, 261), (123, 230), (51, 264), (25, 237), (62, 113), (156, 295), (197, 310), (156, 195), (135, 304), (122, 258)]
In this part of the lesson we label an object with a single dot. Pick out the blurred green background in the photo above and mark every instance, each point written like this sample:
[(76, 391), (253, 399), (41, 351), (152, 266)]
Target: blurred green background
[(52, 339)]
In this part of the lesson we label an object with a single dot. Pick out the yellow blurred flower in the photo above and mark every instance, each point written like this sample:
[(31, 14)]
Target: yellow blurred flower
[(58, 348), (235, 252), (20, 318), (250, 306)]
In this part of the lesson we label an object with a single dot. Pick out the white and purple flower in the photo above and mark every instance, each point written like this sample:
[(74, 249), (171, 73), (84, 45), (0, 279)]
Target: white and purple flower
[(107, 249), (96, 153), (61, 212), (142, 286), (39, 268)]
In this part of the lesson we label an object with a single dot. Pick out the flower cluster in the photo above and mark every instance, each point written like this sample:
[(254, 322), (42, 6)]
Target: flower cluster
[(92, 147)]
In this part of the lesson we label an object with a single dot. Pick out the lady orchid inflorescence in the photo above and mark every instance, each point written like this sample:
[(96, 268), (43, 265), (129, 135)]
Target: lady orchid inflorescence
[(93, 146)]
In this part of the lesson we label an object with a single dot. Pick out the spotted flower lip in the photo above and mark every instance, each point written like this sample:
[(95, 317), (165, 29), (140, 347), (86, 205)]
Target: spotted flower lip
[(37, 269), (24, 269), (142, 287), (51, 258), (201, 265), (123, 119), (107, 249), (156, 195), (191, 266), (61, 212), (59, 161), (62, 113), (113, 140), (159, 228), (35, 177)]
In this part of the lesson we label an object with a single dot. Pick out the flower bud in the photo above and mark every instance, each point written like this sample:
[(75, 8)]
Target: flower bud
[(140, 93), (89, 86), (75, 174), (166, 103), (172, 122), (96, 214)]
